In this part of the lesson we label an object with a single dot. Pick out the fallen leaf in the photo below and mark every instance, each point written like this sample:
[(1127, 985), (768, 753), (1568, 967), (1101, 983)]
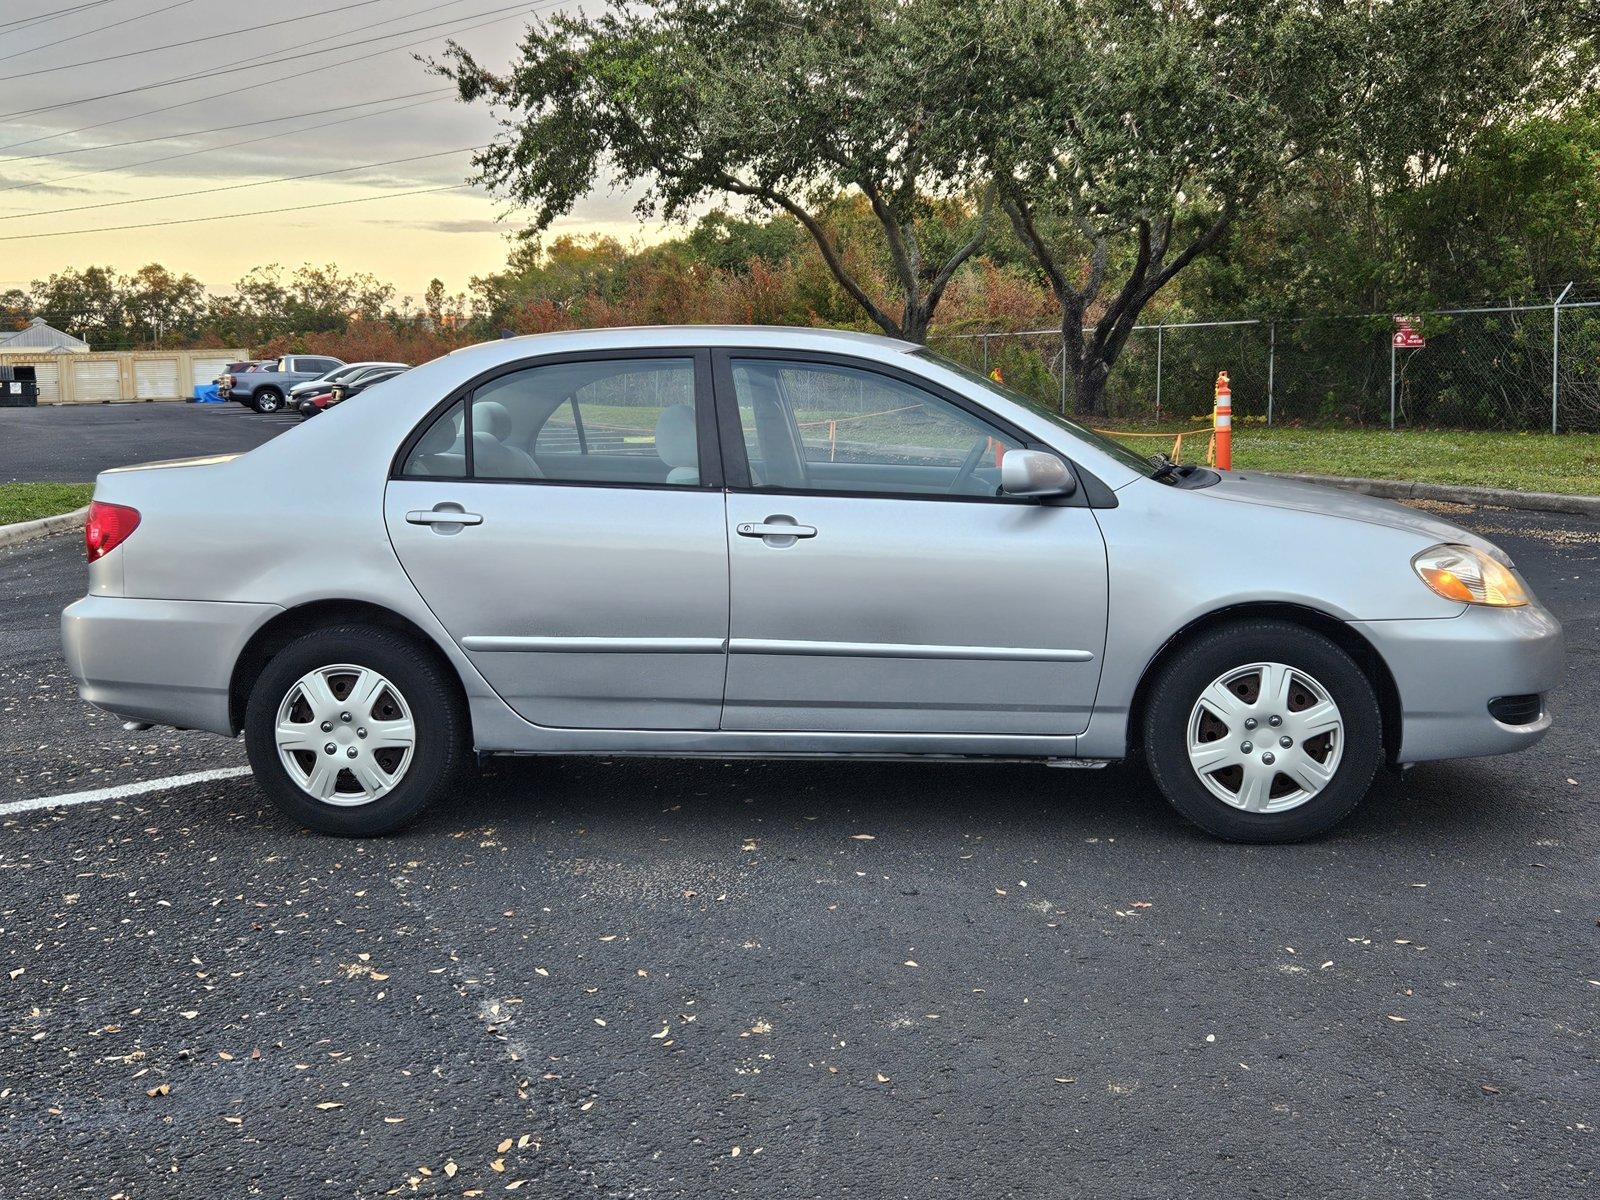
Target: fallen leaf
[(910, 962), (1491, 1090), (327, 1104), (882, 1078), (450, 1170), (190, 1015), (161, 1089), (498, 1165), (863, 837), (1397, 1020), (503, 1146)]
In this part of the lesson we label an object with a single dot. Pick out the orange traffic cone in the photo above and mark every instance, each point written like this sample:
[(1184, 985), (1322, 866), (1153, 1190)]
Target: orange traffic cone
[(1222, 422)]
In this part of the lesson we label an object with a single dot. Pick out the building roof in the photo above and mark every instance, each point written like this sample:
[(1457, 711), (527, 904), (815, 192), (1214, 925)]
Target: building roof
[(39, 338)]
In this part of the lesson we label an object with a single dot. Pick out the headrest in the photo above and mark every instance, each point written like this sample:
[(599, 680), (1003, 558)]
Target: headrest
[(675, 437), (493, 418)]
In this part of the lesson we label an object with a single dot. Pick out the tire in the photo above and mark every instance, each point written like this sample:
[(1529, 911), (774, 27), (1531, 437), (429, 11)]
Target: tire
[(267, 400), (1287, 787), (395, 782)]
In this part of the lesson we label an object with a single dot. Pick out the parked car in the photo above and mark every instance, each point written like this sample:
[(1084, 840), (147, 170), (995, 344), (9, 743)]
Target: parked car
[(787, 542), (266, 391), (324, 382), (309, 406)]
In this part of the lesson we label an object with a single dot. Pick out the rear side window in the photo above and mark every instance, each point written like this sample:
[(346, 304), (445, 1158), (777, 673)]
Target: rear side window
[(616, 421), (441, 453)]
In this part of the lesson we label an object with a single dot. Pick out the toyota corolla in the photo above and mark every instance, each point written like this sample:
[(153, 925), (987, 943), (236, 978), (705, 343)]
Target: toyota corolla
[(786, 543)]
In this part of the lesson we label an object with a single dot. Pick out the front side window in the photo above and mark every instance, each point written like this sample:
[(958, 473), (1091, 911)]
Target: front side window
[(821, 427), (616, 421)]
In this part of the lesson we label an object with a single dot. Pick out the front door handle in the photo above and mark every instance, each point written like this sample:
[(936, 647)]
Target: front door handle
[(442, 516), (777, 529)]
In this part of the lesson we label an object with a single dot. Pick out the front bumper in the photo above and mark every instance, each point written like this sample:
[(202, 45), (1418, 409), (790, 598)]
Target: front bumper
[(1447, 671), (169, 662)]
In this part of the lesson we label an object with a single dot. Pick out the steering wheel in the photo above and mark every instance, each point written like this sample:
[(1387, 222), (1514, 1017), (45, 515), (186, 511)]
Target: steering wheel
[(969, 465)]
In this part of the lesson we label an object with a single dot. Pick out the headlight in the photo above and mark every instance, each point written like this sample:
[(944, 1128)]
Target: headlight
[(1469, 576)]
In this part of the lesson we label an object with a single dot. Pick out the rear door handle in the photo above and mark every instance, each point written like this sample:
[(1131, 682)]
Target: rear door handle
[(442, 516), (777, 529)]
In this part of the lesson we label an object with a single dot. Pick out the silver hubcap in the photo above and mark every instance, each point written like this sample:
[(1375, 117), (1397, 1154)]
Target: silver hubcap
[(1265, 737), (345, 735)]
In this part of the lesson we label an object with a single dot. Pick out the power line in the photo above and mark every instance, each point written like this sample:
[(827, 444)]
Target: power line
[(41, 18), (173, 137), (210, 37), (269, 62), (153, 112), (232, 145), (236, 187), (97, 29), (265, 212)]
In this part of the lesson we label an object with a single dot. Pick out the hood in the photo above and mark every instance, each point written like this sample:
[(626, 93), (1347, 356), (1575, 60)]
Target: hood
[(1249, 487)]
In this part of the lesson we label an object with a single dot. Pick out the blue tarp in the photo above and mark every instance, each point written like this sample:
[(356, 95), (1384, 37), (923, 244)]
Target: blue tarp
[(208, 394)]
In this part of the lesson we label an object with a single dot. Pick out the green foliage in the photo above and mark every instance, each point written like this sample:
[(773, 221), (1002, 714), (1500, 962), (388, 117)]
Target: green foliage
[(778, 104)]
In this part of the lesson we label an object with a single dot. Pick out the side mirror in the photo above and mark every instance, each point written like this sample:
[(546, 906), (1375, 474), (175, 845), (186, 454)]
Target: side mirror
[(1035, 473)]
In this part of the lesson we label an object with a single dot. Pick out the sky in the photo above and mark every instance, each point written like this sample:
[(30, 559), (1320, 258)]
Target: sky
[(66, 143)]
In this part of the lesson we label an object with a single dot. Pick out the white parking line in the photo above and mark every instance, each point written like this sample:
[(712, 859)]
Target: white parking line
[(122, 792)]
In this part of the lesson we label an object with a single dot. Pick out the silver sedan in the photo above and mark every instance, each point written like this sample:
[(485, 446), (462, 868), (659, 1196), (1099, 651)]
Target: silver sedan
[(786, 543)]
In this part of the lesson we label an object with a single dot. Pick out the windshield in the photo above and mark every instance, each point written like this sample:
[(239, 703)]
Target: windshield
[(1107, 446)]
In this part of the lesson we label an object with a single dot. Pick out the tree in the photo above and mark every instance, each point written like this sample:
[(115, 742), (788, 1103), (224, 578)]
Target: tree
[(159, 305), (778, 104), (86, 303), (16, 309), (1125, 138)]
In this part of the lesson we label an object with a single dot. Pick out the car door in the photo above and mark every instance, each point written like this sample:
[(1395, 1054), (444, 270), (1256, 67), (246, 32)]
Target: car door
[(586, 578), (878, 582)]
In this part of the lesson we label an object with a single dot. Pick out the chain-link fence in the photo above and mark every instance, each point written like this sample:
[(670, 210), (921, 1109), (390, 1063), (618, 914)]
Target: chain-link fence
[(1515, 367)]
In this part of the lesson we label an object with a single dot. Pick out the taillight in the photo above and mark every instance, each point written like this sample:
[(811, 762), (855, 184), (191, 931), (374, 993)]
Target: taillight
[(108, 527)]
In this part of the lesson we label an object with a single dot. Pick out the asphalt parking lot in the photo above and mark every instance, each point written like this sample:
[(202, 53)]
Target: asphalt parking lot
[(652, 978), (74, 443)]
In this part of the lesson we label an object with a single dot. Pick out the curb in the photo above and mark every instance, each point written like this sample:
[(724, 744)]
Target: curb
[(27, 531), (1392, 489)]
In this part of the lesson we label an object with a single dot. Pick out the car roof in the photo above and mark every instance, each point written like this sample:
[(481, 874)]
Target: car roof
[(635, 337)]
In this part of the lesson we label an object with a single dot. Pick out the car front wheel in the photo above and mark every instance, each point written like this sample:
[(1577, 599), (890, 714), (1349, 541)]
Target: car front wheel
[(350, 731), (1263, 731)]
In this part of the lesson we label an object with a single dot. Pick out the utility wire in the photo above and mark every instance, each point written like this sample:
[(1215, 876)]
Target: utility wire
[(255, 66), (210, 37), (237, 187), (192, 133), (97, 29), (41, 18), (265, 212), (153, 112), (150, 162)]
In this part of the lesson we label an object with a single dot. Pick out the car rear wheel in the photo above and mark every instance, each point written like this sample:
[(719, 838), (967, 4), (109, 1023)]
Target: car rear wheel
[(1263, 731), (350, 731), (267, 400)]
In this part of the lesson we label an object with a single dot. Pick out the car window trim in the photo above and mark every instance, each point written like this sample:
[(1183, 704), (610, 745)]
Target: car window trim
[(736, 463), (706, 432)]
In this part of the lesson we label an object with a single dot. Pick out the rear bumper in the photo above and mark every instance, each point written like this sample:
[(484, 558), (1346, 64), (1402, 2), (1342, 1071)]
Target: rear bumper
[(1448, 671), (169, 662)]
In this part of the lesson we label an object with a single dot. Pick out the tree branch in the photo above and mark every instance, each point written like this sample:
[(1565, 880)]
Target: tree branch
[(825, 246)]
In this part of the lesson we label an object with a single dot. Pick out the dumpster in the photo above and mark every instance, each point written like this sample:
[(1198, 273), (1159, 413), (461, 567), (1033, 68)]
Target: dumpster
[(17, 393)]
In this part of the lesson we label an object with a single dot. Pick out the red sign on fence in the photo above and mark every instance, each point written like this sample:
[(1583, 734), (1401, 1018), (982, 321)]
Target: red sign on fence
[(1405, 337)]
